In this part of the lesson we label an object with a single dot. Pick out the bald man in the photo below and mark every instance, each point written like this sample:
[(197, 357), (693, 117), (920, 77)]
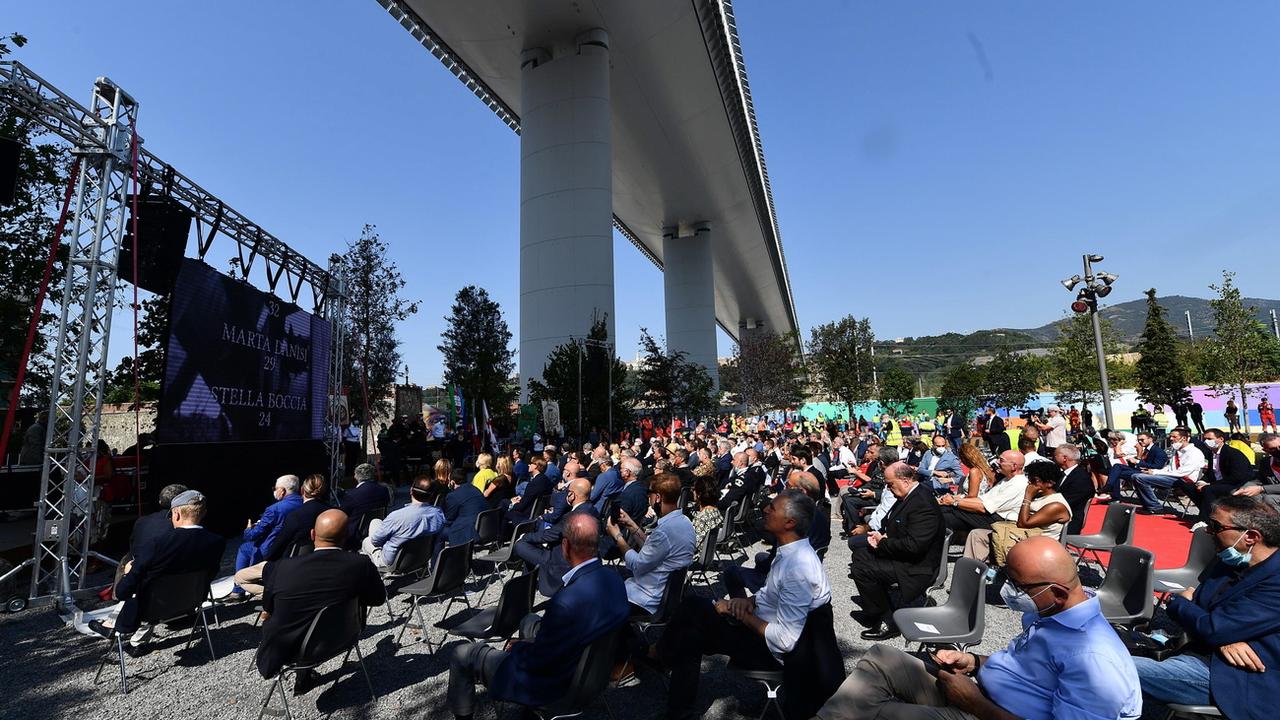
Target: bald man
[(538, 668), (541, 548), (1001, 501), (298, 587), (1068, 664)]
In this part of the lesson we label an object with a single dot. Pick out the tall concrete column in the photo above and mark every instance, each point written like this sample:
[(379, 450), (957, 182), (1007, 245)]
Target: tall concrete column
[(690, 297), (566, 198)]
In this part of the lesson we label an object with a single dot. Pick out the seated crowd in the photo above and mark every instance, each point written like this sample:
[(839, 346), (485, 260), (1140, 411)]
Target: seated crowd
[(608, 526)]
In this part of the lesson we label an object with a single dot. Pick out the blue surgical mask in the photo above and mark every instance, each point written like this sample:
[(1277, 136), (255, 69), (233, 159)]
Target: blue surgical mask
[(1235, 558), (1019, 601)]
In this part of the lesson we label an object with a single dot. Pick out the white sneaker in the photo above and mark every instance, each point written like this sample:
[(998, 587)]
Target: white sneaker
[(1199, 526)]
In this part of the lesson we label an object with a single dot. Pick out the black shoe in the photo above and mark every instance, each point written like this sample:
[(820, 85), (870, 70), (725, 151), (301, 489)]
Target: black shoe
[(136, 651), (860, 617), (882, 631), (98, 627), (1149, 511), (304, 682)]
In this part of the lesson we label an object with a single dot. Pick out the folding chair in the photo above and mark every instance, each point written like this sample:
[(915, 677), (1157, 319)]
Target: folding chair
[(649, 628), (960, 622), (1199, 556), (167, 598), (705, 558), (502, 622), (1125, 596), (334, 629), (1117, 529), (447, 580), (590, 679), (728, 537), (503, 557), (412, 560)]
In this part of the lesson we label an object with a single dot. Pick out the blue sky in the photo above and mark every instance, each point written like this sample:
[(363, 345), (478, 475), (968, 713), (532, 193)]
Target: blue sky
[(936, 166)]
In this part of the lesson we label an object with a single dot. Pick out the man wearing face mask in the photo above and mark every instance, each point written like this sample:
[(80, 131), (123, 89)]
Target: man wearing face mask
[(1067, 664), (939, 467), (1267, 481), (1231, 620), (1226, 470), (1183, 470)]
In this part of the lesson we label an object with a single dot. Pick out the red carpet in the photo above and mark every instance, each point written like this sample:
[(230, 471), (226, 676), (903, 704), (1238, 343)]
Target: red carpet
[(1163, 535)]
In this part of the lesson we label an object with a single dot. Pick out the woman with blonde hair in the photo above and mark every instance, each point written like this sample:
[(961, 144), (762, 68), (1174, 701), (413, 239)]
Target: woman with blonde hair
[(441, 472), (981, 475), (502, 486), (484, 471)]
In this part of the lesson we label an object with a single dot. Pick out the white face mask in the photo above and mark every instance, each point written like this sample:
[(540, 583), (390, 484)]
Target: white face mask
[(1176, 445), (939, 450), (1211, 443)]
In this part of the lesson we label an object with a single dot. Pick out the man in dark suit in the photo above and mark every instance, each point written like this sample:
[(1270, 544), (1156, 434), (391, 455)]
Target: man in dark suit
[(1077, 485), (953, 426), (724, 462), (907, 552), (537, 669), (1197, 416), (187, 547), (296, 528), (1266, 483), (299, 587), (540, 485), (461, 506), (633, 499), (366, 496), (741, 484), (997, 439), (149, 527), (1150, 457), (1230, 619), (1226, 470), (541, 548)]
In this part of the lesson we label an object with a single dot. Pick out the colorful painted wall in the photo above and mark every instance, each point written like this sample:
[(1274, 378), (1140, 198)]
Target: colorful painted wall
[(1123, 405)]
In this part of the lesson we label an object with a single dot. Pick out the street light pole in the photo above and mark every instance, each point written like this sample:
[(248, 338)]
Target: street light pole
[(1097, 342)]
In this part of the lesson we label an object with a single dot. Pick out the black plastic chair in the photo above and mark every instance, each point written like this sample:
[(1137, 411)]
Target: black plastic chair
[(959, 622), (706, 557), (488, 527), (166, 598), (1117, 529), (1199, 556), (362, 527), (413, 559), (590, 679), (334, 629), (772, 682), (300, 548), (1125, 596), (728, 537), (503, 557), (447, 580), (501, 622), (539, 506)]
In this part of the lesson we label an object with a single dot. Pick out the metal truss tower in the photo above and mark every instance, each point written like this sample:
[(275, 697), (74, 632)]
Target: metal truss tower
[(64, 517), (103, 136)]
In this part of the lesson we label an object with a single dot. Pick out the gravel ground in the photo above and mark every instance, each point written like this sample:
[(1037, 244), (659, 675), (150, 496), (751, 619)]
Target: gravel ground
[(49, 670)]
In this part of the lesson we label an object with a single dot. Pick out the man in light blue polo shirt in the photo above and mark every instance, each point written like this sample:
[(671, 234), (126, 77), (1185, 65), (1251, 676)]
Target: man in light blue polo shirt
[(416, 519), (668, 547), (1068, 664)]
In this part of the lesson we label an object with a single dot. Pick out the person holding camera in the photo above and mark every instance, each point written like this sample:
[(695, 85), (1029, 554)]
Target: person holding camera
[(669, 546)]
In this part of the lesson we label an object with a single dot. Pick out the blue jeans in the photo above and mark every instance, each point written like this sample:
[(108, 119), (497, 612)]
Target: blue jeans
[(247, 555), (1143, 483), (1116, 475), (1181, 679)]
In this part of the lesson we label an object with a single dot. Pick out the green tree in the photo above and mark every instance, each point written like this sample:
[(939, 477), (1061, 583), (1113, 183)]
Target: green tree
[(897, 390), (1243, 350), (1011, 380), (764, 373), (560, 377), (1160, 375), (371, 352), (26, 229), (1073, 360), (962, 388), (840, 361), (671, 383), (153, 328), (477, 353)]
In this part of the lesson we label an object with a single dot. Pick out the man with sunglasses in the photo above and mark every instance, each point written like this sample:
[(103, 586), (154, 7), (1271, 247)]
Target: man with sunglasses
[(1067, 664), (1230, 620)]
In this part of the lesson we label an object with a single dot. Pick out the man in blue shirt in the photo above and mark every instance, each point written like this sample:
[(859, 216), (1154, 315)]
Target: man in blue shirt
[(1231, 620), (607, 484), (259, 536), (668, 547), (414, 520), (1068, 664)]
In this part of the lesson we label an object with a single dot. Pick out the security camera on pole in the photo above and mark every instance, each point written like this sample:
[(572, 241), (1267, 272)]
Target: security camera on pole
[(1095, 286)]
